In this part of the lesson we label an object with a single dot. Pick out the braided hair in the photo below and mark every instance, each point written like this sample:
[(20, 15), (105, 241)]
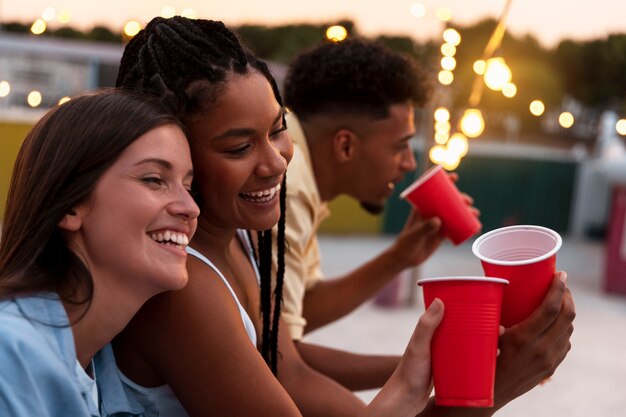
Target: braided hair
[(186, 62)]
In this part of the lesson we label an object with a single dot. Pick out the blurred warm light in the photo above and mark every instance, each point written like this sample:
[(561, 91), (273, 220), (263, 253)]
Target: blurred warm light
[(189, 13), (621, 127), (448, 63), (442, 127), (418, 10), (497, 73), (444, 14), (441, 137), (437, 154), (452, 36), (168, 11), (479, 67), (451, 161), (336, 33), (48, 14), (38, 27), (34, 98), (5, 88), (442, 115), (472, 123), (448, 49), (458, 144), (445, 77), (537, 107), (566, 119), (509, 90), (131, 28), (65, 16), (64, 100)]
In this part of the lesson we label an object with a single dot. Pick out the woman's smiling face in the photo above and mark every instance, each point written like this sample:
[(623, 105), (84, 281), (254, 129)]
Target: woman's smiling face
[(240, 151), (134, 227)]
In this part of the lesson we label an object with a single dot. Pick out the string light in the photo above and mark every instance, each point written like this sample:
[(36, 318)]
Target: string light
[(38, 27), (131, 28), (472, 123), (34, 98), (5, 88), (566, 119), (621, 127), (445, 77), (537, 107), (497, 73), (336, 33)]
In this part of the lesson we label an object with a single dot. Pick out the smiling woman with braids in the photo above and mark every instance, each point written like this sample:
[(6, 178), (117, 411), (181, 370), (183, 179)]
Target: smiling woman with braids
[(189, 352)]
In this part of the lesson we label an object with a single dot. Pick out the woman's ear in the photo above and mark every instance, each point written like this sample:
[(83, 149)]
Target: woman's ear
[(344, 145), (71, 221)]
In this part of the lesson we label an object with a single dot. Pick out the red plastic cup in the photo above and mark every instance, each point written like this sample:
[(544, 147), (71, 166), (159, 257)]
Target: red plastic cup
[(524, 255), (465, 344), (434, 194)]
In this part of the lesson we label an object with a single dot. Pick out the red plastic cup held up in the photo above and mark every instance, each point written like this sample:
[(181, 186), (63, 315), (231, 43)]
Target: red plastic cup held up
[(434, 194), (524, 255), (464, 346)]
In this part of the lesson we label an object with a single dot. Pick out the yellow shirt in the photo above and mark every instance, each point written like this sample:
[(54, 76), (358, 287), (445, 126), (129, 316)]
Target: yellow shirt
[(304, 213)]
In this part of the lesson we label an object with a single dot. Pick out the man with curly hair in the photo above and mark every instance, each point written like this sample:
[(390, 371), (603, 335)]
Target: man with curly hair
[(351, 120)]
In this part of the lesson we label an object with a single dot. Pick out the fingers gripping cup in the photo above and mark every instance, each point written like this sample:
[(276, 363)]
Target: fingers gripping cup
[(524, 255), (434, 194), (464, 345)]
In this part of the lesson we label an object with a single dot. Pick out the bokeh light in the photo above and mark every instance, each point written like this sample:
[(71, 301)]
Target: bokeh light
[(131, 28), (418, 10), (497, 73), (448, 63), (451, 161), (479, 67), (336, 33), (441, 137), (65, 16), (537, 107), (442, 127), (442, 115), (34, 98), (509, 90), (452, 36), (5, 88), (445, 77), (38, 27), (621, 127), (189, 13), (64, 100), (447, 49), (49, 14), (458, 144), (168, 11), (437, 154), (566, 119), (444, 14), (472, 123)]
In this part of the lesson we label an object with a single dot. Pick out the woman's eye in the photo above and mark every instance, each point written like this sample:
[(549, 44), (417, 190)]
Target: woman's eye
[(241, 150), (279, 130), (152, 180)]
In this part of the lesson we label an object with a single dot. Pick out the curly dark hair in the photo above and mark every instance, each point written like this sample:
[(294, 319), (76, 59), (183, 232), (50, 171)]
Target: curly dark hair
[(355, 76)]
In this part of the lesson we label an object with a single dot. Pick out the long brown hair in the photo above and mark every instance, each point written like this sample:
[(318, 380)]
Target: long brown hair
[(61, 160)]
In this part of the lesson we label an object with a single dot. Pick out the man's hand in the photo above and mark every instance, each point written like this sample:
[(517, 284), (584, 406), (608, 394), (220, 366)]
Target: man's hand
[(418, 240), (532, 350)]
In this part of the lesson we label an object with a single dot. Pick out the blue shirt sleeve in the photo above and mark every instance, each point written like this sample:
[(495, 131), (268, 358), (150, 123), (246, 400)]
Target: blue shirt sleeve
[(34, 379)]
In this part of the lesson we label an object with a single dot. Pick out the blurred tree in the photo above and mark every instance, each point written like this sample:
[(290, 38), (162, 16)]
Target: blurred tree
[(104, 34), (594, 72)]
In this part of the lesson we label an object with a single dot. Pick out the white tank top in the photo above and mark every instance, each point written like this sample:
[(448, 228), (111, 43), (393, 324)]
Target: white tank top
[(161, 401)]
